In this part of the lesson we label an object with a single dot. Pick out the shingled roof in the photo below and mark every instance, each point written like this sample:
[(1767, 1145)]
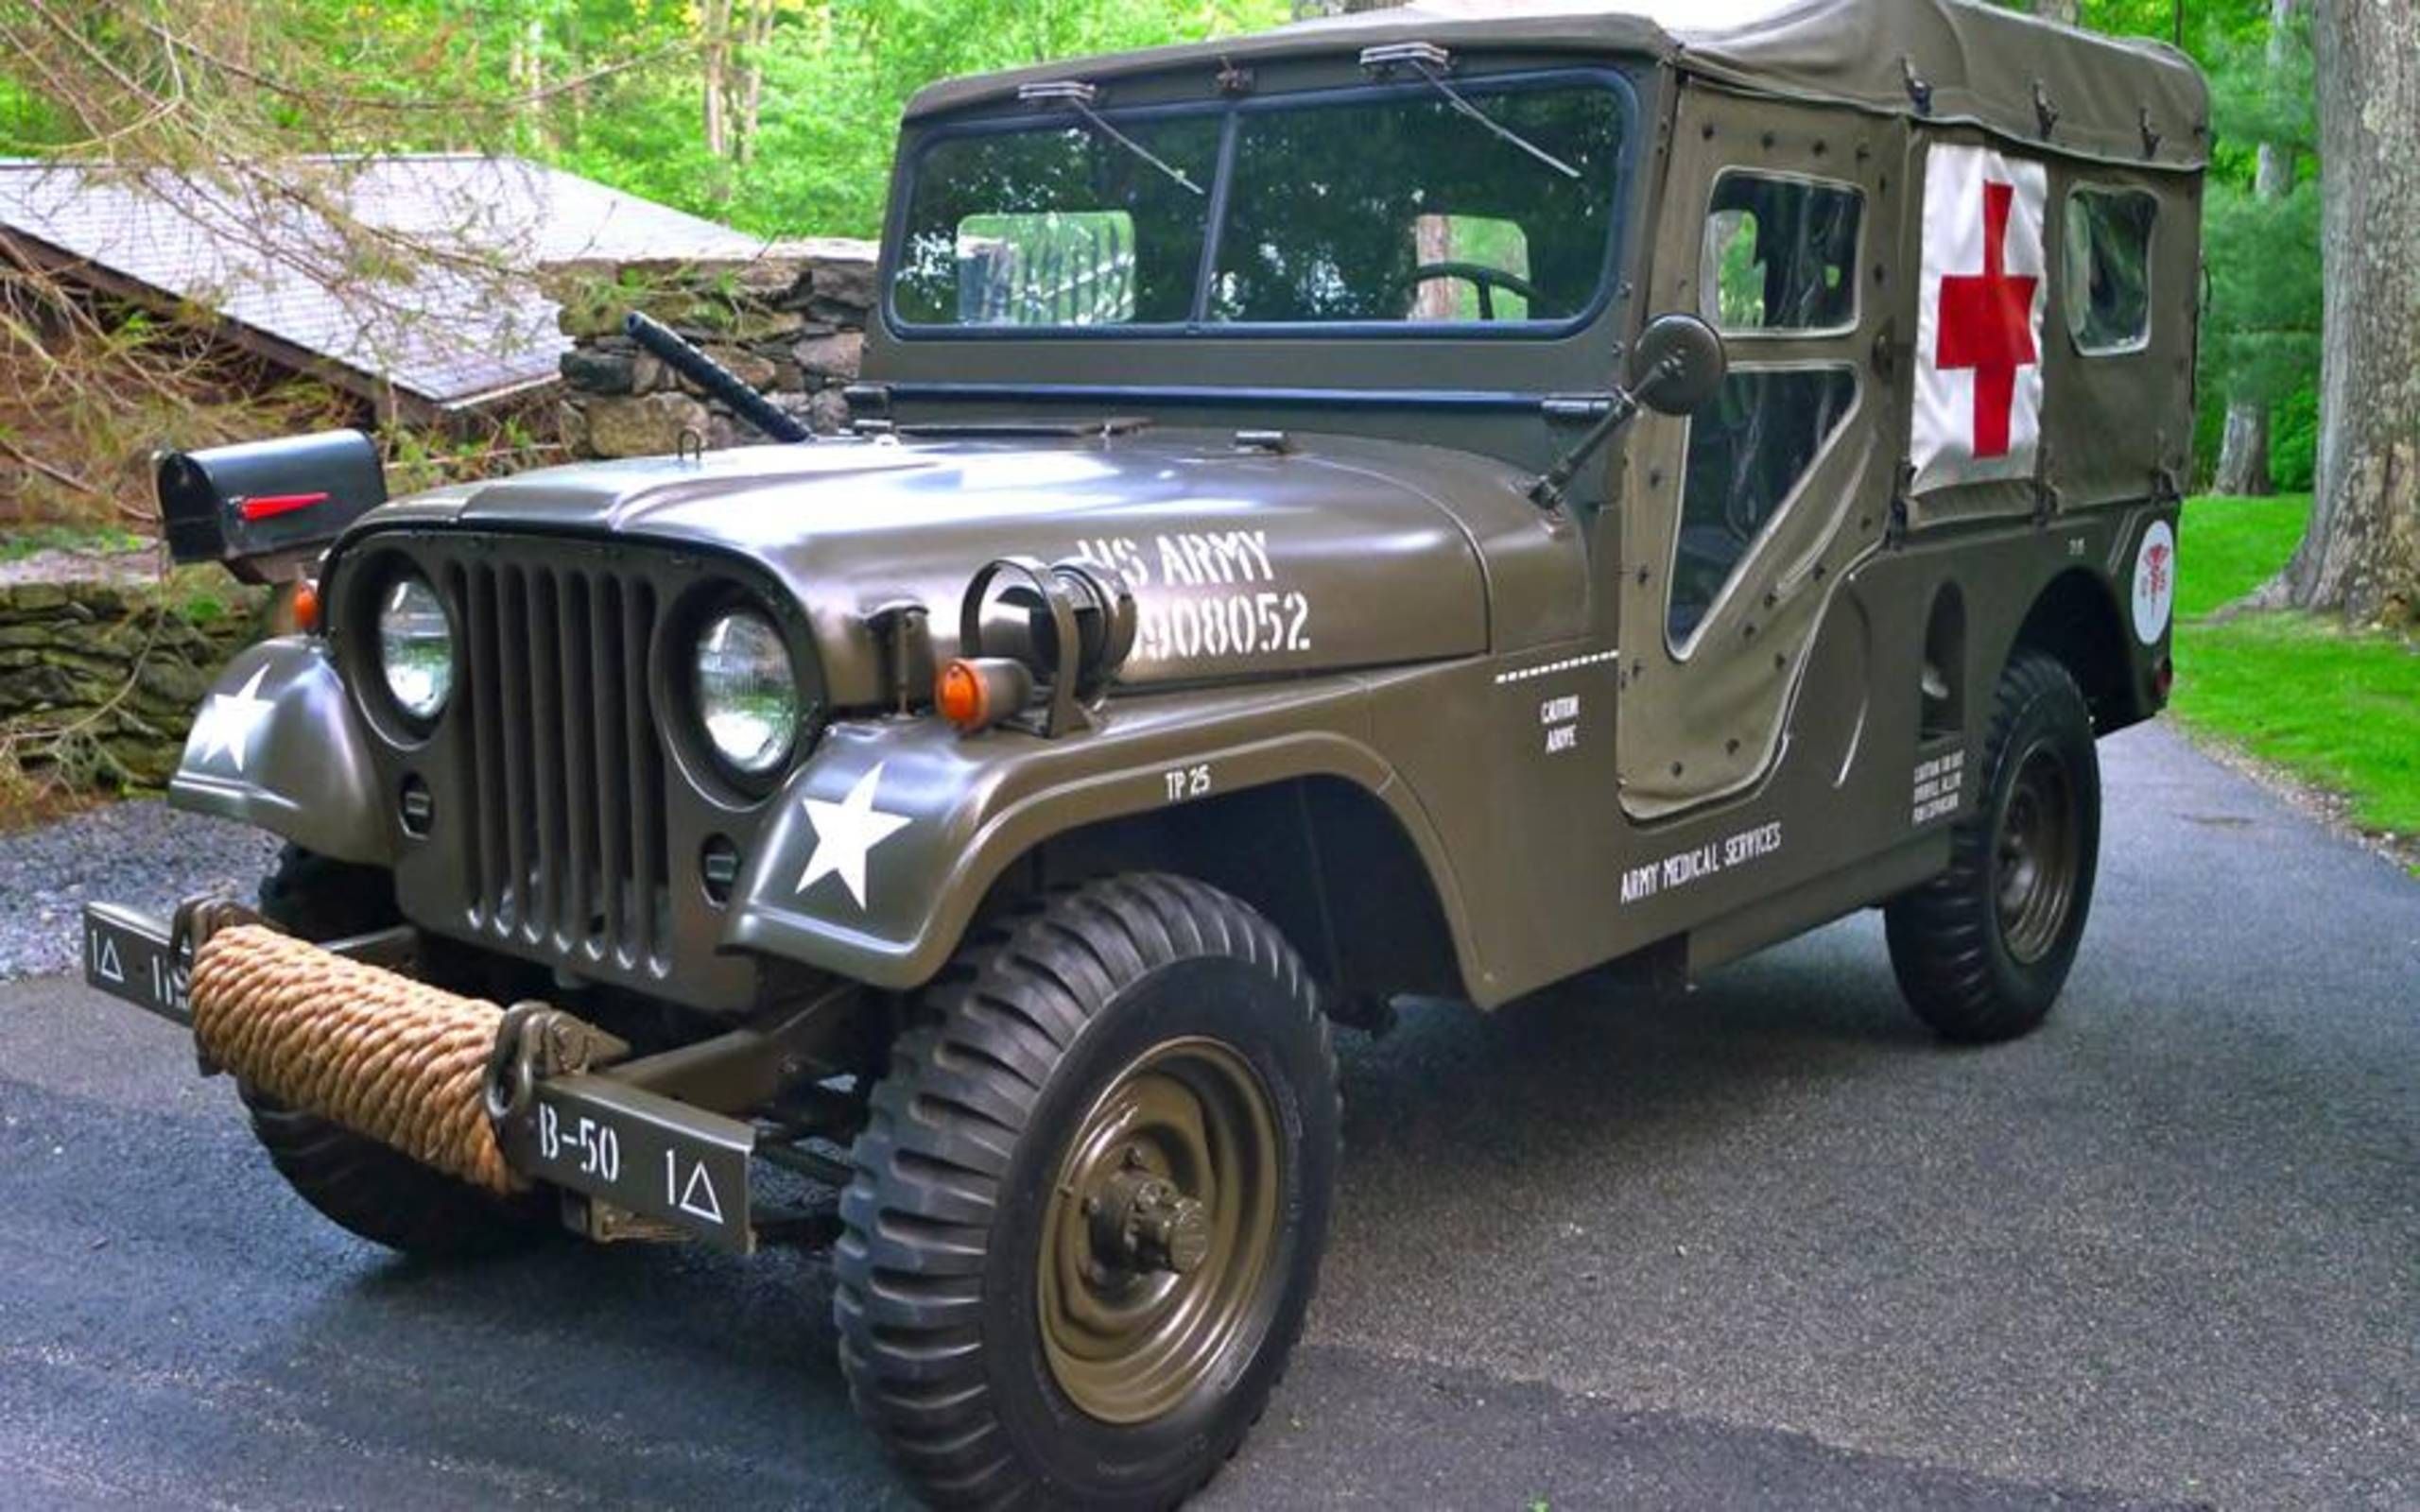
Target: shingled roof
[(436, 311)]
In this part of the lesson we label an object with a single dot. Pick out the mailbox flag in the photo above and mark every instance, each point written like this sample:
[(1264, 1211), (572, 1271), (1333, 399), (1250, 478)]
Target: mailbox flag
[(1979, 318)]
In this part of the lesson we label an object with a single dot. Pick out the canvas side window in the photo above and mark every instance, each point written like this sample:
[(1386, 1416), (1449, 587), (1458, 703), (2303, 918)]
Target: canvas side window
[(2108, 291), (1780, 255), (1748, 449)]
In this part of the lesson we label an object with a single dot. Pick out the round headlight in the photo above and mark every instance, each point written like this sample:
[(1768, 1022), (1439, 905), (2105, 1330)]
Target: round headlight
[(416, 647), (747, 694)]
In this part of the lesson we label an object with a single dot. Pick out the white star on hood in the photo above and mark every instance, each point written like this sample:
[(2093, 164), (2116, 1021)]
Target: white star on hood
[(844, 831), (230, 720)]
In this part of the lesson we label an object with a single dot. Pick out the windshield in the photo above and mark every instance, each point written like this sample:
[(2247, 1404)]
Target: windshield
[(1395, 207)]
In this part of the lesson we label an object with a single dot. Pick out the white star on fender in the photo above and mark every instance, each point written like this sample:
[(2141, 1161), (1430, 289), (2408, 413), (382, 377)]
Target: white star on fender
[(844, 831), (230, 720)]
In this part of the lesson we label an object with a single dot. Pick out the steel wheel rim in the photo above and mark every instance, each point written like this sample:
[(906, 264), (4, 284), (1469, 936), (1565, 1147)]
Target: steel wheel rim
[(2035, 855), (1129, 1337)]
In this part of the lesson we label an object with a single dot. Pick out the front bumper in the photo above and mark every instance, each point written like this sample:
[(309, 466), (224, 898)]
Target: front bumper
[(632, 1161)]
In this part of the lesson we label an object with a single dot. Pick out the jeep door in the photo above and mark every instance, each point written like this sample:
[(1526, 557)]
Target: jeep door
[(1780, 224)]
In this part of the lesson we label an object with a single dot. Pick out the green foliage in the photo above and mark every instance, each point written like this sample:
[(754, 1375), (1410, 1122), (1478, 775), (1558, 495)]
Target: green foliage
[(2260, 337), (417, 459), (28, 120), (2294, 436), (2260, 334), (2338, 708), (836, 76), (21, 542)]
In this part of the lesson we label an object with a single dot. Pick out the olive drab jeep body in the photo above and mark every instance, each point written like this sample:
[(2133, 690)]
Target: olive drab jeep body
[(1423, 502)]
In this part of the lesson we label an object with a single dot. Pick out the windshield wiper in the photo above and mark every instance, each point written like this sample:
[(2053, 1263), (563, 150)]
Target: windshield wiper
[(1425, 59), (1079, 96)]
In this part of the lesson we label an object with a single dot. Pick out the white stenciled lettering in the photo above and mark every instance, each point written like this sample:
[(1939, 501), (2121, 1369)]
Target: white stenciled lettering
[(1560, 716), (1231, 624), (1937, 787), (1185, 558), (1687, 868), (1120, 554), (1188, 781), (1745, 847), (1199, 594)]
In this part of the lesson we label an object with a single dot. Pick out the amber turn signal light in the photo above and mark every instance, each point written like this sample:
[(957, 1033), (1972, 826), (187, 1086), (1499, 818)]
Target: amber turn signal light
[(306, 606), (976, 693)]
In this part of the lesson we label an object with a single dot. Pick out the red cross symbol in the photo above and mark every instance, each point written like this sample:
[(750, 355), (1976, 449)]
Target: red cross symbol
[(1987, 324)]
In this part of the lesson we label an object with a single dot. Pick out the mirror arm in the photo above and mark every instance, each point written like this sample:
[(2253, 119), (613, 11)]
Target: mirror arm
[(1546, 492)]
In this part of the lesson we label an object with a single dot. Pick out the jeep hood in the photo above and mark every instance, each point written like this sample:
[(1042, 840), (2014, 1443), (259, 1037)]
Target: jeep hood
[(1339, 555)]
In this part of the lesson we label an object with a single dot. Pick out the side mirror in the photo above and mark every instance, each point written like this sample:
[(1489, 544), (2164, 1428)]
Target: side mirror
[(1677, 369), (1679, 365)]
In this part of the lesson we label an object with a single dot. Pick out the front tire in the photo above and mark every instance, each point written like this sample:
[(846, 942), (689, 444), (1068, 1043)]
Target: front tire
[(1091, 1201), (379, 1194), (1982, 950)]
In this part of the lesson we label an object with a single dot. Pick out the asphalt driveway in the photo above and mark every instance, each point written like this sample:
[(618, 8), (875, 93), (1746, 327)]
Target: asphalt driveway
[(1761, 1245)]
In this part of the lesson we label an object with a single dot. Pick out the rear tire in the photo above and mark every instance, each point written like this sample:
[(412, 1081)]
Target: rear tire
[(377, 1192), (1091, 1201), (1982, 950)]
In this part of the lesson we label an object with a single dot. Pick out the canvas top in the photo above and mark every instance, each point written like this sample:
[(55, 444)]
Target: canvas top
[(2123, 100)]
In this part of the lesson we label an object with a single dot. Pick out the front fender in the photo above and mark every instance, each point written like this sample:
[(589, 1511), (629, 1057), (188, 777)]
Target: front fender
[(891, 838), (279, 745)]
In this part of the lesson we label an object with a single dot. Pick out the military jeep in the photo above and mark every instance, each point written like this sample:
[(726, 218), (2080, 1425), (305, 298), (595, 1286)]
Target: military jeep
[(1425, 504)]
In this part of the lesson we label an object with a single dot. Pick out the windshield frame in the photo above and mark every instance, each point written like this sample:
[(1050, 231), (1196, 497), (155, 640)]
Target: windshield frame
[(1620, 233)]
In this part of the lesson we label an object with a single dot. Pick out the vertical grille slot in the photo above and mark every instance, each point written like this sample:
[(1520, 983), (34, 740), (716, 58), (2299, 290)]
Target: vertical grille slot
[(561, 761), (650, 893), (578, 904)]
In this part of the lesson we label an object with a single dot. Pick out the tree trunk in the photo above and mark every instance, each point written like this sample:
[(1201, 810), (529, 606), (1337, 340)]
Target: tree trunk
[(713, 56), (751, 78), (2064, 11), (2362, 556), (2243, 450)]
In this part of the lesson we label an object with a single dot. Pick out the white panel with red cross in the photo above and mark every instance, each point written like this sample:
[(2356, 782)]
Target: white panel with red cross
[(1978, 320)]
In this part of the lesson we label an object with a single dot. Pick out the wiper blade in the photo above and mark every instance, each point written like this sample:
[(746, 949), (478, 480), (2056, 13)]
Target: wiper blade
[(1079, 96), (1425, 59)]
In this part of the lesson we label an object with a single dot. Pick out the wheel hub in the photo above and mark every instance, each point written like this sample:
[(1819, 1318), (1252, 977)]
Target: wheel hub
[(1141, 1222), (1159, 1236), (2036, 856)]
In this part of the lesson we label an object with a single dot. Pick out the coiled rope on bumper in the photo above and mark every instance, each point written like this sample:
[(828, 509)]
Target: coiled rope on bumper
[(385, 1056)]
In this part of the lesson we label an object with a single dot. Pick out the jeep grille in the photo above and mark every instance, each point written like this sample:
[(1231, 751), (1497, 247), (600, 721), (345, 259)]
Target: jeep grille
[(562, 763)]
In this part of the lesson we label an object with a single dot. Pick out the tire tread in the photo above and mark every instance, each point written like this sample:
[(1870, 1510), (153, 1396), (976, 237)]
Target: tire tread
[(1016, 999), (1943, 934)]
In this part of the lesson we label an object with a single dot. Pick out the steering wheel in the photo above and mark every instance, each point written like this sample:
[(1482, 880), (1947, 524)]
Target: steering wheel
[(1481, 276)]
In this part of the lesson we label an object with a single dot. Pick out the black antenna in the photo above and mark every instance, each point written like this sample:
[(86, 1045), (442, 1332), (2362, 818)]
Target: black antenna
[(716, 380)]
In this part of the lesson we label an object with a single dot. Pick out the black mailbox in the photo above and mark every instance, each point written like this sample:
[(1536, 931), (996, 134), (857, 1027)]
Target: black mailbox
[(266, 507)]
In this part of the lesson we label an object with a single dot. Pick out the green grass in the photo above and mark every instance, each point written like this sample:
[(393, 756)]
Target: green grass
[(2338, 708)]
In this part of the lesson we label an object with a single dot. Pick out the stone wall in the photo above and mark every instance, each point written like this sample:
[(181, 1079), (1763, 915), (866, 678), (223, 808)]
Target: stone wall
[(789, 321), (120, 667)]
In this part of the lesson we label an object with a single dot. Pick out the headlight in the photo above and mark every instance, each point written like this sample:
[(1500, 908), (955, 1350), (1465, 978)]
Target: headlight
[(747, 694), (416, 647)]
